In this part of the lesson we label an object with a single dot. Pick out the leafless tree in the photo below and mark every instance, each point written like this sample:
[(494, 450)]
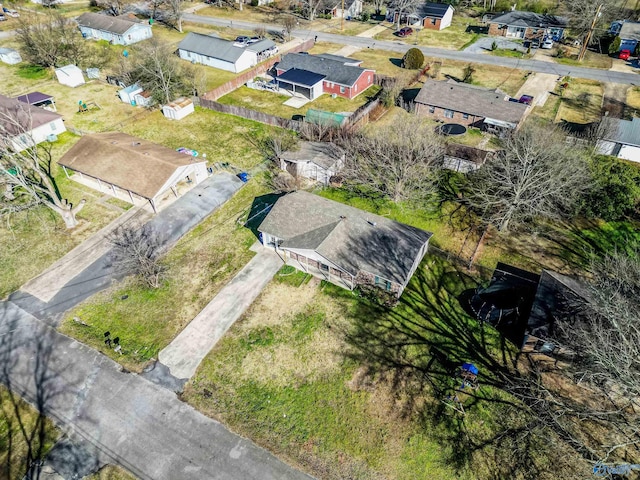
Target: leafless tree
[(289, 23), (399, 161), (260, 31), (159, 71), (50, 40), (174, 13), (114, 7), (582, 14), (155, 6), (606, 128), (138, 251), (404, 7), (378, 5), (310, 8), (537, 174), (26, 168)]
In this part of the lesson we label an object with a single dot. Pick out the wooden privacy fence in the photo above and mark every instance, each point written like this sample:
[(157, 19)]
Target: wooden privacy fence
[(251, 115), (265, 66)]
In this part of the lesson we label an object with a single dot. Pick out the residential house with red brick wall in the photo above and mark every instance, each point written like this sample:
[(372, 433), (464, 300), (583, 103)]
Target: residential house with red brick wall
[(454, 102), (342, 244), (527, 25), (338, 75), (430, 15)]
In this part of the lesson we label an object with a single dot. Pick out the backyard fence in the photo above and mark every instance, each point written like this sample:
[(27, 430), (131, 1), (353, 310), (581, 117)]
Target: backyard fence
[(251, 115), (264, 67)]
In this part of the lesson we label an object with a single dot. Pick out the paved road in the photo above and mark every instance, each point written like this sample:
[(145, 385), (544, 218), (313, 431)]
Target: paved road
[(399, 47), (188, 349), (171, 224), (129, 420)]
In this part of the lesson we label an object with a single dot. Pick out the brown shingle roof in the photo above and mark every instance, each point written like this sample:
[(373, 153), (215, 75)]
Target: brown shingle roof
[(17, 117), (106, 23), (475, 101), (127, 162), (352, 239)]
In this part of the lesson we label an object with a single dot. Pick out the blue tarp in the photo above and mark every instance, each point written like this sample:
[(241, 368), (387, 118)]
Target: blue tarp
[(470, 367)]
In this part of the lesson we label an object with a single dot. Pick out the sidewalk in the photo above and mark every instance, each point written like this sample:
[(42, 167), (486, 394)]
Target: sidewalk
[(183, 355)]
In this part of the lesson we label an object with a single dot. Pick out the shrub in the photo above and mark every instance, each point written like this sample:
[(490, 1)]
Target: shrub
[(365, 17), (494, 46), (615, 46), (254, 3), (413, 59)]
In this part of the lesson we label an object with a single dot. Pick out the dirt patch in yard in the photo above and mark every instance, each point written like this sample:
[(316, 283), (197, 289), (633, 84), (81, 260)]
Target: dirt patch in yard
[(615, 100)]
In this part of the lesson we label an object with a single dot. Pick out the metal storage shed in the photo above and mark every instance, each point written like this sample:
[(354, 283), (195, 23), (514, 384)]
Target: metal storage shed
[(70, 75)]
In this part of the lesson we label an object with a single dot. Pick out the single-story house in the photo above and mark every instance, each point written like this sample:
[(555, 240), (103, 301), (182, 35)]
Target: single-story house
[(354, 62), (352, 8), (343, 244), (131, 168), (39, 99), (629, 33), (318, 161), (117, 30), (178, 109), (430, 15), (621, 139), (303, 82), (224, 54), (463, 158), (70, 75), (23, 125), (455, 102), (527, 25), (340, 78), (10, 56), (135, 95)]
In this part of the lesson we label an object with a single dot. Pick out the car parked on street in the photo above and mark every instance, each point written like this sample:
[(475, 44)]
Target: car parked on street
[(404, 32)]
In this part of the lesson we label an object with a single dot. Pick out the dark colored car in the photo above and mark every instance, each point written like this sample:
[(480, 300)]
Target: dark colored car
[(404, 32), (624, 54), (526, 99), (242, 39)]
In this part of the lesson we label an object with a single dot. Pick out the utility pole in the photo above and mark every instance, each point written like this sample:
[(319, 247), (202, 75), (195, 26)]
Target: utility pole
[(342, 18), (587, 38)]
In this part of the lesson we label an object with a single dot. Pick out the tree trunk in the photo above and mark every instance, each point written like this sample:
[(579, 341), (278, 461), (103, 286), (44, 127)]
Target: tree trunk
[(180, 23), (68, 214)]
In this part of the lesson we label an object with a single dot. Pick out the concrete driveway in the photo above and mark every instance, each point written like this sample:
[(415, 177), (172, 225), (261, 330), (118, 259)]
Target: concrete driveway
[(171, 224), (483, 45), (539, 86), (183, 355)]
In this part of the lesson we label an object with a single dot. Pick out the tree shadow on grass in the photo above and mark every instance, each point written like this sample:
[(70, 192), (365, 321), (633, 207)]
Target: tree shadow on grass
[(260, 207)]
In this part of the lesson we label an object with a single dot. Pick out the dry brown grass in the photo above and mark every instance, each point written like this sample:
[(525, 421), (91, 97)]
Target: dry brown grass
[(581, 102)]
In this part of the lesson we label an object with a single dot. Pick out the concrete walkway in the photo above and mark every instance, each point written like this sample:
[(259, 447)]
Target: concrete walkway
[(183, 355)]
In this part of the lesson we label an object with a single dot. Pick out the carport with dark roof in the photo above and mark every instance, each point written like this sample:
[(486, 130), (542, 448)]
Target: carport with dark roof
[(300, 81)]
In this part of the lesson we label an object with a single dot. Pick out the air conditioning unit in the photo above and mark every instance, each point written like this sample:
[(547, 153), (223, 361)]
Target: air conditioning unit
[(334, 95)]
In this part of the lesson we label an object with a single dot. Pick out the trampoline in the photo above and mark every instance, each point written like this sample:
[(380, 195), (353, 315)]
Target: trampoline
[(452, 129)]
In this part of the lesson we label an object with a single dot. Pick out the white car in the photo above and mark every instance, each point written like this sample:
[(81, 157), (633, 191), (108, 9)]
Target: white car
[(10, 13), (547, 44)]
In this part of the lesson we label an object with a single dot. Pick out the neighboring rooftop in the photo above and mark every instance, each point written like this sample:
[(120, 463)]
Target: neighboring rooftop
[(260, 45), (336, 71), (127, 162), (17, 117), (106, 23), (529, 19), (340, 58), (322, 154), (479, 102), (4, 51), (630, 31), (209, 46), (432, 10), (353, 239), (35, 98), (626, 132)]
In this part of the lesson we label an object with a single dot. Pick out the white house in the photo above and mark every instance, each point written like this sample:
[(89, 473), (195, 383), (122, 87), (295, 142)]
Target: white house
[(23, 125), (117, 30), (317, 161), (352, 9), (178, 109), (10, 56), (224, 54), (70, 75), (621, 139)]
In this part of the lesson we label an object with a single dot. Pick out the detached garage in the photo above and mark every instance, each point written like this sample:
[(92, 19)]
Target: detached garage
[(131, 168)]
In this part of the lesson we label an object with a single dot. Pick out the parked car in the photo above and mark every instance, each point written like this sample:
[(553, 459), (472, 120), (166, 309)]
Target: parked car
[(244, 40), (547, 44), (253, 40), (10, 13), (2, 18), (526, 99), (404, 32), (624, 54)]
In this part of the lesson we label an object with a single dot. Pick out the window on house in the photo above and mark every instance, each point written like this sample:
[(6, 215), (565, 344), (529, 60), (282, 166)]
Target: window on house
[(342, 89), (432, 109), (53, 126), (465, 116), (377, 280), (324, 267), (370, 78), (433, 21), (448, 113), (387, 286)]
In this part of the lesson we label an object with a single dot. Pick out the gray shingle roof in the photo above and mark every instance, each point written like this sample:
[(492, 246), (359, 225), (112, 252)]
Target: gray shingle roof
[(530, 19), (322, 154), (17, 117), (340, 58), (105, 23), (352, 239), (624, 131), (335, 71), (211, 47), (261, 46), (432, 10), (470, 99), (630, 31)]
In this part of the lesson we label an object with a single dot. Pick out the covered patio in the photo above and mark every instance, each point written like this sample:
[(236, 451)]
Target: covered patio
[(303, 82)]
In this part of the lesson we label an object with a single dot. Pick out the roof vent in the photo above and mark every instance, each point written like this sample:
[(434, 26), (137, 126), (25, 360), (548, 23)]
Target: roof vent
[(373, 224)]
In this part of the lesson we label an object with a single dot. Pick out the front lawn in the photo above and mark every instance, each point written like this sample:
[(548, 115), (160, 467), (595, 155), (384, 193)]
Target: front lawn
[(146, 320), (457, 35), (581, 102), (272, 103)]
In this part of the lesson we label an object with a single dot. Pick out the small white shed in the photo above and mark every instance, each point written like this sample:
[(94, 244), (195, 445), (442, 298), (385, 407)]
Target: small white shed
[(70, 75), (128, 94), (178, 109), (10, 56)]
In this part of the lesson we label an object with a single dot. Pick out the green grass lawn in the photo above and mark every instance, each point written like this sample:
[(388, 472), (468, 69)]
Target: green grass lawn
[(198, 267), (454, 37), (272, 103), (581, 102), (503, 52)]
